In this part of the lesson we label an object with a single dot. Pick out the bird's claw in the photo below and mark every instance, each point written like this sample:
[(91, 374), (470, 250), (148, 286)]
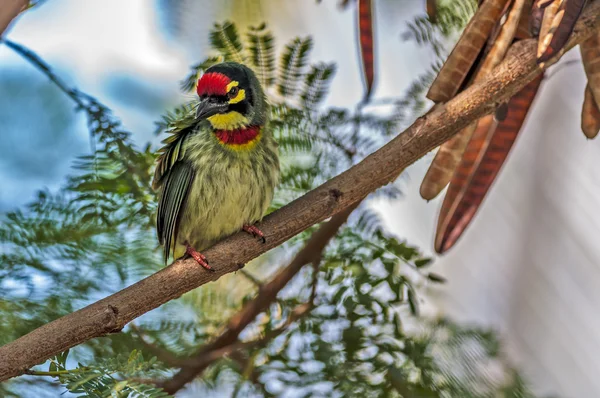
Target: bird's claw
[(199, 257), (254, 231)]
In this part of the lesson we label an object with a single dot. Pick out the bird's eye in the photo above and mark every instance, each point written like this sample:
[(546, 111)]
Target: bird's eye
[(233, 92)]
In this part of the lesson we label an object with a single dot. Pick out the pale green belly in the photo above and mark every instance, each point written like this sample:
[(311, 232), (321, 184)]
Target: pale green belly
[(222, 199)]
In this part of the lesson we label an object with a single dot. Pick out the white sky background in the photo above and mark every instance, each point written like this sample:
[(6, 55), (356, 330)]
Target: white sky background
[(527, 264)]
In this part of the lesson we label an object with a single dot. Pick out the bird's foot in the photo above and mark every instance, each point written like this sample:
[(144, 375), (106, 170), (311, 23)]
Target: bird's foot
[(199, 257), (254, 231)]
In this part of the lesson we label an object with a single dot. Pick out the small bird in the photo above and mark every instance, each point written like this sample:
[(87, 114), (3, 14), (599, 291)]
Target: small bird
[(217, 172)]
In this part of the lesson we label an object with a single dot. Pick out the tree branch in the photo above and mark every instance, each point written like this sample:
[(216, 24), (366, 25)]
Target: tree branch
[(9, 9), (114, 312)]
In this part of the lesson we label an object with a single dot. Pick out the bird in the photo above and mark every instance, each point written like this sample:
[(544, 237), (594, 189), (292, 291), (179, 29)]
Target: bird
[(218, 169)]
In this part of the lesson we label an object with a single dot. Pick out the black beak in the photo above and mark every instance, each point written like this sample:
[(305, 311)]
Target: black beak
[(210, 106)]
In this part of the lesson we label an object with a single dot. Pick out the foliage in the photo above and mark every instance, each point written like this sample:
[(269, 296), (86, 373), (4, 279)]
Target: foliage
[(114, 377), (452, 16), (96, 235)]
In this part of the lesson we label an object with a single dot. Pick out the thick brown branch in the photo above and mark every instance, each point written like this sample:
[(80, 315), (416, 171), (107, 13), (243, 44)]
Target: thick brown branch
[(9, 9), (114, 312)]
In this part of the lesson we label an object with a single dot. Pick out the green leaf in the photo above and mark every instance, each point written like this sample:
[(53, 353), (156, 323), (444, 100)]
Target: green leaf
[(291, 67), (62, 358), (413, 300), (436, 278), (316, 85), (262, 54), (224, 38), (423, 262)]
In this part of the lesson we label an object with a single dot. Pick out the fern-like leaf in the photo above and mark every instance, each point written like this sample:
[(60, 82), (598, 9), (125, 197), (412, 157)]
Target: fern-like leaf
[(316, 85), (262, 54), (292, 63), (225, 39)]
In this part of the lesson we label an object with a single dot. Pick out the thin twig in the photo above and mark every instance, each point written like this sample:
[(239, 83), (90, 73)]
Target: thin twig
[(255, 281), (39, 63), (164, 355)]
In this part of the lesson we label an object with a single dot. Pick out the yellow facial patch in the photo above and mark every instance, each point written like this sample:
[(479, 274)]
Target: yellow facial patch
[(228, 121), (241, 94)]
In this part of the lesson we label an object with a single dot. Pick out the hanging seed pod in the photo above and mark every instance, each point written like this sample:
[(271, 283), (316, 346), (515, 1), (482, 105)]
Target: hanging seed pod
[(503, 41), (590, 115), (590, 57), (561, 27), (444, 163), (367, 53), (485, 154), (535, 19), (451, 211), (464, 54), (550, 8), (432, 10), (523, 31), (447, 158)]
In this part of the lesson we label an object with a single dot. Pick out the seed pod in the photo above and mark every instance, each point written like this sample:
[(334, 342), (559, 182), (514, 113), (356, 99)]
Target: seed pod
[(523, 31), (365, 28), (485, 154), (590, 56), (561, 26), (432, 10), (464, 54), (590, 115), (444, 163)]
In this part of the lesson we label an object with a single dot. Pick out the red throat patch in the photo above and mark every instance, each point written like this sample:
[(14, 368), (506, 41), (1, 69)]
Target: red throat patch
[(213, 83), (238, 137)]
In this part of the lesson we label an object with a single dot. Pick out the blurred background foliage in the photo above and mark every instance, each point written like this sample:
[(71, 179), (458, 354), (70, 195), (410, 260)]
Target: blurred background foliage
[(93, 235)]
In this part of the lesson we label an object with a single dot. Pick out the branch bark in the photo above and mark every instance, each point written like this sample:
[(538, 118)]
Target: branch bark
[(111, 314), (9, 9)]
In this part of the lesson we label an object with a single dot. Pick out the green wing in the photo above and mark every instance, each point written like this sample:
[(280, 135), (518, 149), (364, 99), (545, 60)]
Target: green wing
[(171, 152), (175, 176), (173, 196)]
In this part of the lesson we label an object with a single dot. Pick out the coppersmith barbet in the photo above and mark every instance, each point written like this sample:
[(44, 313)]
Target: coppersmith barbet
[(218, 170)]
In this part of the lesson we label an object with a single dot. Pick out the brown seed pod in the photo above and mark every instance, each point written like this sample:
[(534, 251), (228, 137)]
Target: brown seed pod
[(444, 163), (590, 115), (590, 57), (431, 6), (367, 54), (464, 54), (561, 25), (523, 30), (485, 154)]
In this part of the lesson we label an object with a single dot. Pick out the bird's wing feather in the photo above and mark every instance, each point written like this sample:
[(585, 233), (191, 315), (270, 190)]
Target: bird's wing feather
[(170, 153), (174, 194)]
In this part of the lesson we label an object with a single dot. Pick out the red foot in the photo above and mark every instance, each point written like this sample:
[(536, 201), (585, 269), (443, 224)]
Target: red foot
[(199, 257), (251, 229)]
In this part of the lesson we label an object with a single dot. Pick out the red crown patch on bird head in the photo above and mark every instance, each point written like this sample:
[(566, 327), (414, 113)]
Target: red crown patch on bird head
[(213, 83)]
